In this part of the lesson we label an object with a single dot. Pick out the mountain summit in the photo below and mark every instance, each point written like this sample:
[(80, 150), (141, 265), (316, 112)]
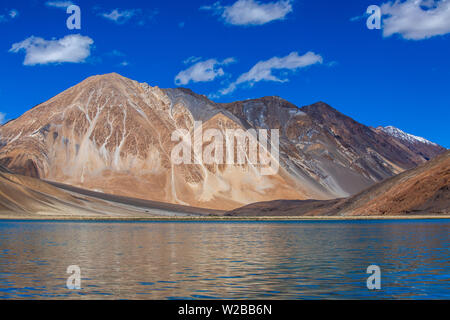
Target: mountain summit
[(113, 135)]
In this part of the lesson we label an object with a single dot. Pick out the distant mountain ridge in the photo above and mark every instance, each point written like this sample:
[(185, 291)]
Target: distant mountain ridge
[(113, 135)]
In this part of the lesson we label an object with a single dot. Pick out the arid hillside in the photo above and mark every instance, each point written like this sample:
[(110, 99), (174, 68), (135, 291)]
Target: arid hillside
[(424, 190), (26, 197)]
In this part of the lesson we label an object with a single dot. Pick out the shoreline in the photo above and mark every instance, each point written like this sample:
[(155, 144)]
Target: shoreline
[(217, 219)]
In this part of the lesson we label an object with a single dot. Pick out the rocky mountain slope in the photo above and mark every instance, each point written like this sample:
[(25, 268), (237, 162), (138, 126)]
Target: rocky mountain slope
[(423, 190), (113, 135), (343, 155)]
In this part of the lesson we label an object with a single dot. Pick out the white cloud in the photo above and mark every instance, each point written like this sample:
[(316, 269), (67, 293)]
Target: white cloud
[(120, 17), (416, 19), (72, 48), (251, 12), (263, 70), (2, 118), (228, 61), (202, 71), (59, 4)]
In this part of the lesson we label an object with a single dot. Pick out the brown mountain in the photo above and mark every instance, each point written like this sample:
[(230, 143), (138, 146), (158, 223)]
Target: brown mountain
[(111, 134), (423, 190)]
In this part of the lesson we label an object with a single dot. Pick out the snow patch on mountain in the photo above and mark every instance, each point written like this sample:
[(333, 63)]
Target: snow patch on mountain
[(399, 134)]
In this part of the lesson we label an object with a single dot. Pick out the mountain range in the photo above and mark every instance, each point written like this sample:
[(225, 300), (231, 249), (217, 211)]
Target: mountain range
[(112, 135)]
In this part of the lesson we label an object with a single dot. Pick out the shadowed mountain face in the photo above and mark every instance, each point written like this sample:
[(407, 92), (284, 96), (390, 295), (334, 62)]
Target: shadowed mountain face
[(422, 190), (26, 197), (113, 135)]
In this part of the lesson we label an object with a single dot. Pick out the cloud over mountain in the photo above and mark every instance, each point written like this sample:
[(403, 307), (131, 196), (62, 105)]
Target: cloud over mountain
[(72, 48), (202, 71), (263, 70)]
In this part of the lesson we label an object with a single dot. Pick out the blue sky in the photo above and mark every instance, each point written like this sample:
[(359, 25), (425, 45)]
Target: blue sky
[(303, 51)]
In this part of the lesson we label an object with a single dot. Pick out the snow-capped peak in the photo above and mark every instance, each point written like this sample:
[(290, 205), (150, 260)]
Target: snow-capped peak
[(399, 134)]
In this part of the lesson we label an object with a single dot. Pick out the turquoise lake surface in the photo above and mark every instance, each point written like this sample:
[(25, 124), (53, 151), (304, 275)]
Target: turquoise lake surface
[(225, 260)]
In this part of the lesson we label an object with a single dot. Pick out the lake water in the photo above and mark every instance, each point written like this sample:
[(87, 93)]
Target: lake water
[(231, 260)]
